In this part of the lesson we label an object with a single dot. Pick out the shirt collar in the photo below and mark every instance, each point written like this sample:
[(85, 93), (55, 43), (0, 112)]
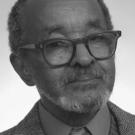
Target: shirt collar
[(53, 126)]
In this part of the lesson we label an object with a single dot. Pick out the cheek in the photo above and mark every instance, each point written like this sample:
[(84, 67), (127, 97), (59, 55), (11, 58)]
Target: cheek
[(42, 72), (109, 68), (55, 74), (48, 80)]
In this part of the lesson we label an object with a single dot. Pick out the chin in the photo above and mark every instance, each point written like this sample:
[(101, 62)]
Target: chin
[(84, 103), (84, 100), (76, 109)]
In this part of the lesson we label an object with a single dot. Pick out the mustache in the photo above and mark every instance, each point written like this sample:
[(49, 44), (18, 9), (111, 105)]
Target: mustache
[(76, 73)]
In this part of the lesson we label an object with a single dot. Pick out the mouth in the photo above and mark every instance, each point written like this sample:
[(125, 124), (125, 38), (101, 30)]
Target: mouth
[(91, 77), (83, 85), (85, 80)]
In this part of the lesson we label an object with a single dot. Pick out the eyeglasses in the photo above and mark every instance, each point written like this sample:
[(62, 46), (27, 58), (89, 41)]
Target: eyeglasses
[(60, 52)]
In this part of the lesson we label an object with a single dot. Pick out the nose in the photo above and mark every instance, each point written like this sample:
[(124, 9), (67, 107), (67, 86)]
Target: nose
[(82, 56)]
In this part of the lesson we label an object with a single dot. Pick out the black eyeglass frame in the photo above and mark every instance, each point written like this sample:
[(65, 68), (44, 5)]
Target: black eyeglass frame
[(41, 45)]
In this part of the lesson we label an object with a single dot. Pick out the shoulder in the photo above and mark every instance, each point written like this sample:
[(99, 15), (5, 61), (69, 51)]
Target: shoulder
[(9, 131), (29, 125), (125, 121), (120, 113)]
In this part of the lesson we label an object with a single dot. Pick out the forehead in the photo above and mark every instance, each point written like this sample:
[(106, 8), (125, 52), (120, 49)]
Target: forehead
[(73, 15)]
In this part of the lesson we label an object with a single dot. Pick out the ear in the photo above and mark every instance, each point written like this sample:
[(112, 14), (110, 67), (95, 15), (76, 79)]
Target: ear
[(22, 69)]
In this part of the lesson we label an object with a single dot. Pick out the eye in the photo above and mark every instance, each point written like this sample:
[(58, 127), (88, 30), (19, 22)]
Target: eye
[(98, 38), (57, 44), (105, 38)]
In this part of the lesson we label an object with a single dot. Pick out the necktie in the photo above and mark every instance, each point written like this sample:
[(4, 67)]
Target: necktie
[(80, 131)]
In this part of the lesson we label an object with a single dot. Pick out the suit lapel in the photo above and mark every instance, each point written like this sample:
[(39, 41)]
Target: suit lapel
[(31, 124), (125, 121)]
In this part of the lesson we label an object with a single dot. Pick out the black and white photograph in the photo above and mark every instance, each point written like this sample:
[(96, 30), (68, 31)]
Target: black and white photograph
[(67, 67)]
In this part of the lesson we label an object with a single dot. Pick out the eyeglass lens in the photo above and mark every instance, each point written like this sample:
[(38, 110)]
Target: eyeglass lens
[(102, 45), (58, 52)]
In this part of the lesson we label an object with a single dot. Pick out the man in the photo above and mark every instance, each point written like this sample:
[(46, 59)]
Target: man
[(66, 48)]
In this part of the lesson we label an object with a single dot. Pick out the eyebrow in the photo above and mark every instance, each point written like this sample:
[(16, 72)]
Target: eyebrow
[(96, 24), (55, 28)]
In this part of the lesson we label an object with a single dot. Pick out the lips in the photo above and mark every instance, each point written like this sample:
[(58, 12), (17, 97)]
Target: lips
[(91, 74), (85, 79)]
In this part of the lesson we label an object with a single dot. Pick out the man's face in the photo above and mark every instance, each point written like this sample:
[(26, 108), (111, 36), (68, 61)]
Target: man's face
[(86, 83)]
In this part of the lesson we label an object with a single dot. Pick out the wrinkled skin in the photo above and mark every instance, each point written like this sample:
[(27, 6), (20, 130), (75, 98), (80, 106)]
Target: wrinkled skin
[(67, 88)]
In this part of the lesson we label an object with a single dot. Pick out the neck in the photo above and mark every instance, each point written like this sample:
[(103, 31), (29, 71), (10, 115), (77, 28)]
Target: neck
[(74, 119)]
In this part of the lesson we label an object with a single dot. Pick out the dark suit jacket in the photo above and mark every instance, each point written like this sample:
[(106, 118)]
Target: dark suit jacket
[(31, 124)]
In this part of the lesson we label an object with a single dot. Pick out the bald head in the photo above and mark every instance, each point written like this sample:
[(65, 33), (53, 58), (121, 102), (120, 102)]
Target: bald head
[(24, 11)]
